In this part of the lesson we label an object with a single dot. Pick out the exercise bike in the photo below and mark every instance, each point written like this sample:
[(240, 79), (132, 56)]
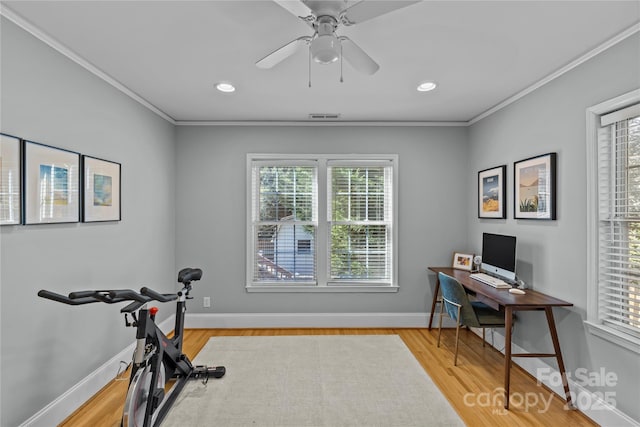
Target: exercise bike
[(157, 361)]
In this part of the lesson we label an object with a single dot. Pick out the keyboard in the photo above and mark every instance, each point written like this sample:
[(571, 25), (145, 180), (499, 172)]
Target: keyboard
[(490, 280)]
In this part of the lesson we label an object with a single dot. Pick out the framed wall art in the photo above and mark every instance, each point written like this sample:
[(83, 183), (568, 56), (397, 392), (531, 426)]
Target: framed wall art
[(463, 261), (534, 185), (101, 190), (10, 180), (51, 184), (492, 201)]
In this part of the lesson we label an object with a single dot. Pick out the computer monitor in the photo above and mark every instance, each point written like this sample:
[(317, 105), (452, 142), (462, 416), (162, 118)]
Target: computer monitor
[(499, 255)]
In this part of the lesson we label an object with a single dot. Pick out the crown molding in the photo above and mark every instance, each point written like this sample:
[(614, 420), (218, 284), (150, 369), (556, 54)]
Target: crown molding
[(570, 66), (315, 123), (53, 43)]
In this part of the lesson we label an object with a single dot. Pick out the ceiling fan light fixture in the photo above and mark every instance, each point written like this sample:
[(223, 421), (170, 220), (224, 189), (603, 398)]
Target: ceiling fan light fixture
[(225, 87), (427, 86), (325, 49)]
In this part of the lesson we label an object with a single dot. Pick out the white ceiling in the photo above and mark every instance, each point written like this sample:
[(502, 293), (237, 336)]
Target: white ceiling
[(171, 53)]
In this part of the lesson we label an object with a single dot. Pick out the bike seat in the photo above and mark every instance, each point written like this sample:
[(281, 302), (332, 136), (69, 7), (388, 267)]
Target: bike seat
[(188, 275)]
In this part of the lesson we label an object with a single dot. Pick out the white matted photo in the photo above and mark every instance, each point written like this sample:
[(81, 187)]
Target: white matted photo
[(534, 187), (101, 190), (10, 196), (51, 184), (463, 261), (492, 202)]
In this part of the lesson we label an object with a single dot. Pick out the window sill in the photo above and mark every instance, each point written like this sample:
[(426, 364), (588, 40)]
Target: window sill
[(614, 336), (322, 289)]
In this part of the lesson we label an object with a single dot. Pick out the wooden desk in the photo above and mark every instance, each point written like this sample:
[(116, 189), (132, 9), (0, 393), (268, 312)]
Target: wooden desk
[(503, 299)]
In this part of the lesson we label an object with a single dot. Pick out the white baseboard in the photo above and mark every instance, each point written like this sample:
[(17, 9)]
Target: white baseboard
[(63, 406), (306, 320), (585, 400)]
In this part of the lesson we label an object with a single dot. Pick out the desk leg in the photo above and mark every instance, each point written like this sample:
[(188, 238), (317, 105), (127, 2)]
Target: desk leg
[(435, 301), (556, 346), (508, 319)]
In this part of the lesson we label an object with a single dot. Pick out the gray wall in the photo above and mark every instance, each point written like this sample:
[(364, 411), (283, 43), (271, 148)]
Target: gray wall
[(211, 227), (48, 347), (552, 254)]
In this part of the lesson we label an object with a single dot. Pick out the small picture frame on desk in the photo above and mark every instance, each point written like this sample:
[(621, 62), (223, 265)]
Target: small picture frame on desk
[(463, 261)]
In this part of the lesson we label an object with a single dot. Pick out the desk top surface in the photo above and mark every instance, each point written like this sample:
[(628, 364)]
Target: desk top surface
[(502, 296)]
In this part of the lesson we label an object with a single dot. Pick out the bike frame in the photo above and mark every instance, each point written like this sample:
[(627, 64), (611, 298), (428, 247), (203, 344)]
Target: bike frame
[(156, 350)]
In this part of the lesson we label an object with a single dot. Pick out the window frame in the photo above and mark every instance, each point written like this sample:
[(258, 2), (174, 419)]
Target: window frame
[(594, 323), (323, 284)]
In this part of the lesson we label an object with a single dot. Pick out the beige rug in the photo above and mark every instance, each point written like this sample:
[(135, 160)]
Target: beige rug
[(328, 381)]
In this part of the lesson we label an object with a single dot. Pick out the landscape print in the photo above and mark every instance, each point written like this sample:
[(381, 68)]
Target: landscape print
[(102, 190), (491, 189), (533, 182), (54, 185), (535, 187), (490, 194)]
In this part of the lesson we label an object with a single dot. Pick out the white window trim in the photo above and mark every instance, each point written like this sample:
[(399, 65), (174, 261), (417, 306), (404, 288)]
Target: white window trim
[(323, 284), (593, 324)]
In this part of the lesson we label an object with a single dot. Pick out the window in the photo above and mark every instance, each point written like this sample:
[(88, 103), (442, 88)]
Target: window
[(360, 222), (321, 223), (614, 253), (304, 246), (284, 212)]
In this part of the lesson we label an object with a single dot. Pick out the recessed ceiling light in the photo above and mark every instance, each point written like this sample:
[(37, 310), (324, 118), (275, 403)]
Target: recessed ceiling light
[(426, 86), (225, 87)]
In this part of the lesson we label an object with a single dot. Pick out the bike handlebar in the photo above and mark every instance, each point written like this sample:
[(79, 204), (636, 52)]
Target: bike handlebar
[(65, 300), (128, 295), (81, 294), (157, 296), (108, 297), (185, 276)]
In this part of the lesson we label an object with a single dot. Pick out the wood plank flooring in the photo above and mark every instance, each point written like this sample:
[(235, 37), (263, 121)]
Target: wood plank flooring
[(474, 387)]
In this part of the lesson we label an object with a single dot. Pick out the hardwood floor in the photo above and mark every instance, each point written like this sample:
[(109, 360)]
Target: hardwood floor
[(474, 387)]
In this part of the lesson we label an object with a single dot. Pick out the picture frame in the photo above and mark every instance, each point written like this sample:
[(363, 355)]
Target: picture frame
[(51, 183), (462, 261), (101, 188), (10, 180), (534, 187), (492, 190)]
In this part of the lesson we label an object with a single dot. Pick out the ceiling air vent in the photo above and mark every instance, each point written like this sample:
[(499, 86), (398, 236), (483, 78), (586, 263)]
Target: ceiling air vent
[(318, 116)]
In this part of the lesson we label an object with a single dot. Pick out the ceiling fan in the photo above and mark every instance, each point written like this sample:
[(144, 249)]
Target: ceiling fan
[(325, 16)]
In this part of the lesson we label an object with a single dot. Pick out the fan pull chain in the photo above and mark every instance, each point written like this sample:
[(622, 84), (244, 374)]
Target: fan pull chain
[(341, 80), (309, 65)]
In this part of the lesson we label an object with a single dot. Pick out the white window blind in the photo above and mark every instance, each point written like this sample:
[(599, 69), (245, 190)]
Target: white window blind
[(284, 220), (321, 223), (618, 273), (360, 221)]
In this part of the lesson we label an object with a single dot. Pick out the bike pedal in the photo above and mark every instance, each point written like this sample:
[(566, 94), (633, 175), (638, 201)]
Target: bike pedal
[(208, 371), (216, 371)]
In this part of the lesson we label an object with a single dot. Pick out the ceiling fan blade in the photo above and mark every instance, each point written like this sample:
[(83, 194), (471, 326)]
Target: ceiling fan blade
[(296, 7), (365, 10), (357, 57), (283, 53)]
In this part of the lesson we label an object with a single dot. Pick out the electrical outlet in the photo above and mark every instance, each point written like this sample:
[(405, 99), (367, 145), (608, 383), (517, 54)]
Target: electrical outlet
[(206, 302)]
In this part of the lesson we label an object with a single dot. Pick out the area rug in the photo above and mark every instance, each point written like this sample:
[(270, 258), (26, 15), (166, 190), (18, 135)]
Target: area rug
[(315, 381)]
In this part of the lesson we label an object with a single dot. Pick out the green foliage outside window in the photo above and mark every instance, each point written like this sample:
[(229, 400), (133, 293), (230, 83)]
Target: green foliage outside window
[(358, 250)]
